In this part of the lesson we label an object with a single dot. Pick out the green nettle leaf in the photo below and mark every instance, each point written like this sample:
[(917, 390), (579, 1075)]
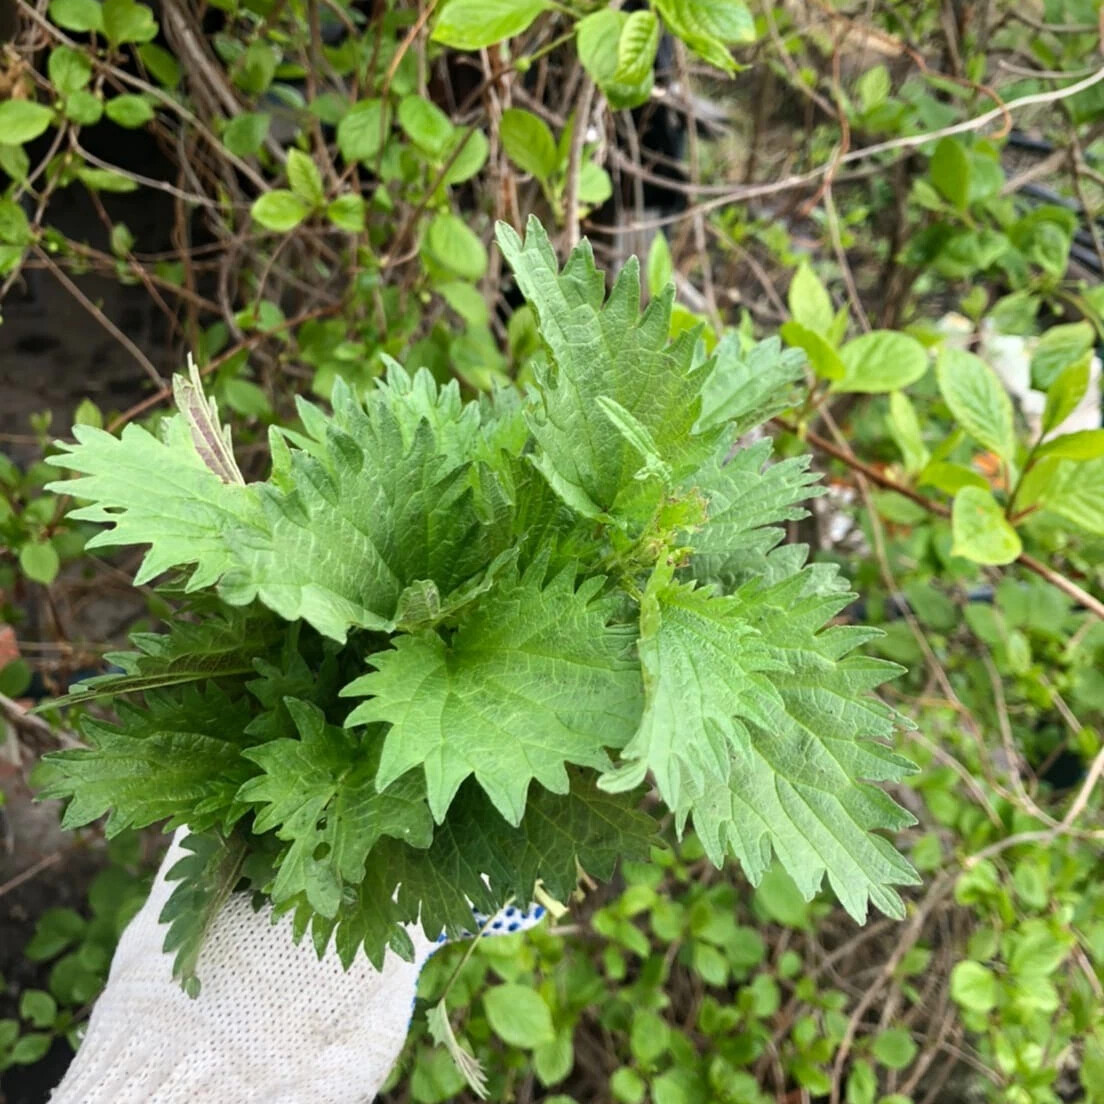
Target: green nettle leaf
[(977, 399), (473, 24), (881, 360), (319, 793), (23, 121), (950, 172), (533, 594), (77, 15), (529, 143), (904, 426), (609, 350), (636, 48), (179, 758), (129, 111), (701, 662), (532, 680), (206, 877), (980, 530), (304, 178), (362, 130), (809, 302), (279, 210), (800, 789)]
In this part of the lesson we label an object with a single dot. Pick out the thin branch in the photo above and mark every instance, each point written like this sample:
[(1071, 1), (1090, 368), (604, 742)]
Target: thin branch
[(908, 142), (45, 735), (575, 163), (1081, 596), (62, 278)]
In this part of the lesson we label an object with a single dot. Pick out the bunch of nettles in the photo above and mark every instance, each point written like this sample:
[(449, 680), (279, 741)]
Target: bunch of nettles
[(445, 650)]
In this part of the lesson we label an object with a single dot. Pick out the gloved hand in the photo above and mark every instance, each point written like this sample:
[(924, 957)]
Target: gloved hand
[(272, 1022)]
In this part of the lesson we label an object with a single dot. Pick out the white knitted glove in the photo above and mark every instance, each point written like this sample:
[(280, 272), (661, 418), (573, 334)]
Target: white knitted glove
[(272, 1023)]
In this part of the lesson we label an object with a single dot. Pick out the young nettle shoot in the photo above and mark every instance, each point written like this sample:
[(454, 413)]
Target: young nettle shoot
[(442, 652)]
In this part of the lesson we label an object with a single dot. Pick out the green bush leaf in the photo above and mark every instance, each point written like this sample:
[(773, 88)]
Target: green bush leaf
[(68, 69), (473, 149), (1086, 444), (15, 677), (823, 357), (1066, 392), (894, 1048), (881, 360), (809, 302), (455, 246), (128, 21), (362, 131), (977, 400), (161, 64), (77, 15), (596, 37), (245, 133), (636, 47), (30, 1048), (518, 1015), (974, 987), (86, 109), (904, 427), (347, 212), (38, 560), (279, 210), (23, 121), (529, 143), (1080, 495), (1057, 349), (14, 227), (709, 27), (304, 178), (129, 111), (981, 531), (37, 1007), (473, 24), (658, 270), (950, 172), (427, 126)]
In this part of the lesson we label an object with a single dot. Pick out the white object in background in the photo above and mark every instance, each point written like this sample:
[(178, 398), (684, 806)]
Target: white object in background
[(1010, 357), (272, 1022)]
